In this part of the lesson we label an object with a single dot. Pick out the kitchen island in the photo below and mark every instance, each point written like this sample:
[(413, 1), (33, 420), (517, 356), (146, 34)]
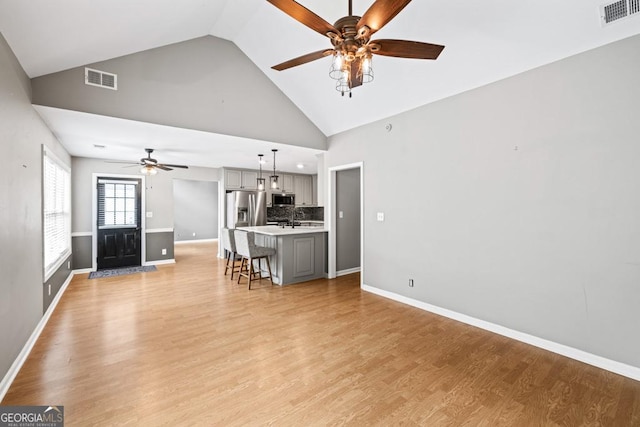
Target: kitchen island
[(301, 251)]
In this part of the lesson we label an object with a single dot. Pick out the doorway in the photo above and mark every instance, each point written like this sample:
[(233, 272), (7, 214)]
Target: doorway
[(118, 222), (348, 221), (195, 210), (332, 215)]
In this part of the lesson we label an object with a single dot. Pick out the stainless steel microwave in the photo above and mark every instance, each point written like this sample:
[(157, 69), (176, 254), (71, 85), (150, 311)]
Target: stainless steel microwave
[(279, 199)]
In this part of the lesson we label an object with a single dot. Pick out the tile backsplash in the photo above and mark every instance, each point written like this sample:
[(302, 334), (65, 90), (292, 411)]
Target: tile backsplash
[(283, 213)]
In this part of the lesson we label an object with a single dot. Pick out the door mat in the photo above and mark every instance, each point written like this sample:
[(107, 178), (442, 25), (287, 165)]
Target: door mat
[(121, 271)]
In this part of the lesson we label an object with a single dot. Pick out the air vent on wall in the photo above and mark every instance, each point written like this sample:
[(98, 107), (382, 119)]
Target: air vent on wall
[(101, 79), (620, 9)]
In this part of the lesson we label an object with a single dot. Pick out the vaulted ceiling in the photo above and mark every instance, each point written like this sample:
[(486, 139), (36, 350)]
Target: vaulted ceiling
[(485, 42)]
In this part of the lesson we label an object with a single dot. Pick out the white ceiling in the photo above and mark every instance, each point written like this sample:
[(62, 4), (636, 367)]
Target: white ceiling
[(101, 137), (485, 42)]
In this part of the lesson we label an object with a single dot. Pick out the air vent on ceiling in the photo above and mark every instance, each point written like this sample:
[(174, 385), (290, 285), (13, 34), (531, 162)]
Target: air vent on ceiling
[(101, 79), (620, 9)]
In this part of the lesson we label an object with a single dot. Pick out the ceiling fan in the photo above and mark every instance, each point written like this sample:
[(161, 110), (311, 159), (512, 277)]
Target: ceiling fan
[(150, 166), (351, 39)]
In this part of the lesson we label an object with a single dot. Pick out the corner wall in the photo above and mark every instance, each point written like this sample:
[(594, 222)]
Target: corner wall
[(516, 203), (205, 84), (22, 134)]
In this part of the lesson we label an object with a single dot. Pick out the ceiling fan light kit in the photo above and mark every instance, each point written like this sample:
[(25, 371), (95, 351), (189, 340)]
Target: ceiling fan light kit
[(353, 48), (148, 170)]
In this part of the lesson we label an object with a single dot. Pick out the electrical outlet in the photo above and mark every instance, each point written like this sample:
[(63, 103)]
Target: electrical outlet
[(340, 214), (380, 216), (68, 265), (149, 214), (194, 234), (49, 290), (164, 251), (411, 283)]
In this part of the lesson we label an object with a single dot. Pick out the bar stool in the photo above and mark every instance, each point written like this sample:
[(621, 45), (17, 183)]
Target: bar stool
[(229, 245), (249, 251)]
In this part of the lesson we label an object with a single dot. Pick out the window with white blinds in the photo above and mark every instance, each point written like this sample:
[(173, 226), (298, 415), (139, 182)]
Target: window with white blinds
[(56, 213)]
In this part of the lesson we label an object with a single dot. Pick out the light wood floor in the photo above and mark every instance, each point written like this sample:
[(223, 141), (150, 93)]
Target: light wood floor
[(186, 346)]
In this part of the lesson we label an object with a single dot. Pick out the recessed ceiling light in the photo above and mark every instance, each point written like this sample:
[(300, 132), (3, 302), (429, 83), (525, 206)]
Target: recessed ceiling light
[(300, 166)]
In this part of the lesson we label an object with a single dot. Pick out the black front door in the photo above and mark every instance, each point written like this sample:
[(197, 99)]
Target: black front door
[(119, 223)]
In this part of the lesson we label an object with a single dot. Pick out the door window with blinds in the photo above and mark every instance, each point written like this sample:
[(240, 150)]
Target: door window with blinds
[(56, 204), (117, 207)]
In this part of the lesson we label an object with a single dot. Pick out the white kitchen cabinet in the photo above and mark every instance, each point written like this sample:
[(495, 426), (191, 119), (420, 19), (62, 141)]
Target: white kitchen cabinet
[(287, 184), (249, 180), (300, 185), (240, 180), (314, 190), (303, 189), (232, 179)]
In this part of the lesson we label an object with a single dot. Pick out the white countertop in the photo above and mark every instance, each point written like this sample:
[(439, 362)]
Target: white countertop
[(302, 221), (274, 230)]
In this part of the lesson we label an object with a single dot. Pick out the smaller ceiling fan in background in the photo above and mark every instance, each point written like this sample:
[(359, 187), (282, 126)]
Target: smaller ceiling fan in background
[(351, 39), (150, 166)]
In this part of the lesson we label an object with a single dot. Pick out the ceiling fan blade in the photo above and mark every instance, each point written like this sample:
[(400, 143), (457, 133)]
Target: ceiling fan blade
[(407, 49), (174, 166), (163, 167), (123, 163), (303, 59), (304, 16), (380, 13)]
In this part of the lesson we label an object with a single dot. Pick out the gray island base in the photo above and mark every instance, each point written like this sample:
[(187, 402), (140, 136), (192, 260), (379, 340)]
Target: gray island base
[(301, 252)]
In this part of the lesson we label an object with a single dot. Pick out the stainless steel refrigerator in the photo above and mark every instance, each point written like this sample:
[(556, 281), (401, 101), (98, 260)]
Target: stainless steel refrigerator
[(246, 208)]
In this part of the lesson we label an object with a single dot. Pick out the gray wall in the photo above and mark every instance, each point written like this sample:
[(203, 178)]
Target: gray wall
[(52, 286), (205, 84), (22, 134), (516, 203), (156, 242), (159, 200), (81, 247), (347, 227), (195, 209)]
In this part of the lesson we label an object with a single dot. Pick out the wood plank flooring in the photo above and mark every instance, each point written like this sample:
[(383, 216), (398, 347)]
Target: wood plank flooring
[(187, 346)]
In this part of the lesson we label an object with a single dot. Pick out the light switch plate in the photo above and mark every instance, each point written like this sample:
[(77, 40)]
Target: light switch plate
[(340, 214), (380, 216)]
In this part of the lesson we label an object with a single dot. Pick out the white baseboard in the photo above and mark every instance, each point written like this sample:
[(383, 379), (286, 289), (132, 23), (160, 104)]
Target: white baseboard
[(158, 230), (28, 346), (620, 368), (82, 271), (178, 242), (161, 262), (347, 271)]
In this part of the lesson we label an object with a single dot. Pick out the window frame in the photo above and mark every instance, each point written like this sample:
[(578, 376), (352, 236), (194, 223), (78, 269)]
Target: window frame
[(102, 199), (50, 266)]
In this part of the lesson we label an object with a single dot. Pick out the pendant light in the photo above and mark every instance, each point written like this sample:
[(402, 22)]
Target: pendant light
[(260, 178), (274, 177)]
